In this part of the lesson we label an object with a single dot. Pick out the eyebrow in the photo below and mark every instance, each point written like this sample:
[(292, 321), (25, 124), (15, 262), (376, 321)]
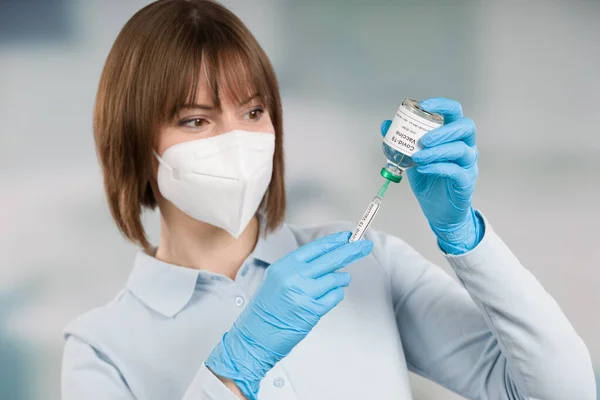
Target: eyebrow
[(196, 106), (249, 99)]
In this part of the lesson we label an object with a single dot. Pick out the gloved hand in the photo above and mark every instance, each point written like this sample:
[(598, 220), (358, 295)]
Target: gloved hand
[(445, 175), (297, 291)]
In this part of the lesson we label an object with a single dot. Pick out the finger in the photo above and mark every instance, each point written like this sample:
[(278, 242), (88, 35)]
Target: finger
[(456, 152), (338, 258), (450, 109), (315, 249), (385, 125), (462, 177), (317, 288), (330, 300), (463, 129)]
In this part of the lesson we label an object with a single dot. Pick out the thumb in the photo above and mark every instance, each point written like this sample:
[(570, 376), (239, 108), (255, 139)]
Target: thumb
[(385, 125)]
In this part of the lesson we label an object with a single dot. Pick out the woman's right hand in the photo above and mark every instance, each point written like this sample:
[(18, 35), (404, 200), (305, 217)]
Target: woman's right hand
[(297, 291)]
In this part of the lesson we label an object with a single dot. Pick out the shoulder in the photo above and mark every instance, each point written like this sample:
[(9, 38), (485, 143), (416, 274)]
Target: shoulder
[(386, 247), (102, 325), (305, 234)]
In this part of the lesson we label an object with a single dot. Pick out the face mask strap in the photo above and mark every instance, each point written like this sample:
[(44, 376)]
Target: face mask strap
[(174, 171), (160, 160)]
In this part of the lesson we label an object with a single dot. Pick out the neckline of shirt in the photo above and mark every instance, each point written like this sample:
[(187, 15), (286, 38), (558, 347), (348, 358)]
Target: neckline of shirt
[(168, 288)]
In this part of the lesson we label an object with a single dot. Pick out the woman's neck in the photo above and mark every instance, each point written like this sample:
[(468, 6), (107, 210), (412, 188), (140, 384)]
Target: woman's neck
[(190, 243)]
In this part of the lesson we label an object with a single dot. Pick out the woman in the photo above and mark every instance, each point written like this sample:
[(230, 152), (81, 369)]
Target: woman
[(233, 303)]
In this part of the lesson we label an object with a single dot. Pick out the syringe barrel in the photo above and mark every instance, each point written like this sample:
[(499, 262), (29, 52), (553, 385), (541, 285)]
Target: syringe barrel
[(366, 219)]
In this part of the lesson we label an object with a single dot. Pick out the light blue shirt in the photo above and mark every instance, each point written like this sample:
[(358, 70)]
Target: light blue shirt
[(499, 335)]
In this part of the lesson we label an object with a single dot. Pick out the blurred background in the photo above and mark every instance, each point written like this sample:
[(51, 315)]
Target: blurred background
[(525, 71)]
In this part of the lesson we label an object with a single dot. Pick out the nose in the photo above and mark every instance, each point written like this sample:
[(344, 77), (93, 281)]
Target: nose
[(227, 123)]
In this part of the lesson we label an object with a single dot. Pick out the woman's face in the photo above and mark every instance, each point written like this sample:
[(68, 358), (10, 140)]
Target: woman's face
[(202, 119)]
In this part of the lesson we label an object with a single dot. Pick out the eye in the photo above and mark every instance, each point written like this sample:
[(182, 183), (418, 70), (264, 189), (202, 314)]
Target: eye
[(194, 122), (255, 114)]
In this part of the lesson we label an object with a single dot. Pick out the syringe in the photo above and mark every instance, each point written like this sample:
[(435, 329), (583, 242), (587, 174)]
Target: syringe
[(369, 214)]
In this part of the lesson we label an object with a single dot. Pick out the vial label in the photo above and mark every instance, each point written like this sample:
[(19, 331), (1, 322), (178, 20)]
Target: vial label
[(364, 222), (406, 131)]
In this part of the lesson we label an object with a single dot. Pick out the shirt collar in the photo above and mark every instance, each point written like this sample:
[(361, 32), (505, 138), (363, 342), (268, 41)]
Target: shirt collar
[(167, 288)]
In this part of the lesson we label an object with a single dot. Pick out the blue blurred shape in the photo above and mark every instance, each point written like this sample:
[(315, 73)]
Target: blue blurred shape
[(16, 372), (598, 383), (27, 21)]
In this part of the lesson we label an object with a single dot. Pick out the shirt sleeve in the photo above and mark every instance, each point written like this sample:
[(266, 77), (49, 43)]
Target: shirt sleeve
[(87, 374), (206, 386), (498, 336)]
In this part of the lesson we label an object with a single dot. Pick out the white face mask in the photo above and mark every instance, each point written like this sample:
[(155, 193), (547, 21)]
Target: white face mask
[(219, 180)]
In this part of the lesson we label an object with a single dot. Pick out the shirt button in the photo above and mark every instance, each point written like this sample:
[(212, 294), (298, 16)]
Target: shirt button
[(239, 301), (215, 278), (278, 382), (244, 271)]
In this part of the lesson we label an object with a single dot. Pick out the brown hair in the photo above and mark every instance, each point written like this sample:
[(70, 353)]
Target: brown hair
[(152, 70)]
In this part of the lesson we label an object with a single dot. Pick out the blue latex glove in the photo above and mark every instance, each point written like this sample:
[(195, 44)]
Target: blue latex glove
[(296, 292), (445, 175)]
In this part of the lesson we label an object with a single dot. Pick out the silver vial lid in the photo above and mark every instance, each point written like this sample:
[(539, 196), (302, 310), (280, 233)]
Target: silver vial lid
[(415, 108)]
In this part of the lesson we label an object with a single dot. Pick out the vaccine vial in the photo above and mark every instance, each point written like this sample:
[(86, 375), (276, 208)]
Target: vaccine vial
[(403, 138)]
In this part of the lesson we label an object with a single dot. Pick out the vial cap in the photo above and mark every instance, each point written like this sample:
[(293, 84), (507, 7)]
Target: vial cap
[(389, 176)]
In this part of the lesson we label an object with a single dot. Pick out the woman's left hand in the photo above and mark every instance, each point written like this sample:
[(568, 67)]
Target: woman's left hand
[(445, 175)]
